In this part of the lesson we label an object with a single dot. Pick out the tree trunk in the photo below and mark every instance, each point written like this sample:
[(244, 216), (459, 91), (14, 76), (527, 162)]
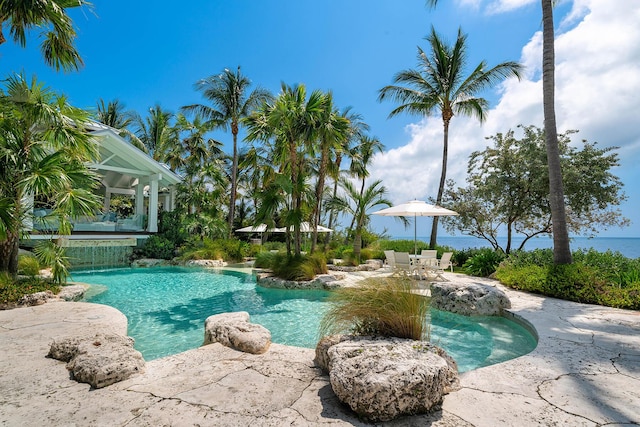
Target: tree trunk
[(234, 177), (446, 117), (9, 254), (561, 249), (319, 190), (332, 213)]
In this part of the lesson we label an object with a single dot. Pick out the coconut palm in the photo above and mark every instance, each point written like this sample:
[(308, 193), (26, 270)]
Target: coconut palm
[(113, 114), (561, 248), (361, 157), (156, 132), (231, 101), (43, 150), (357, 128), (58, 35), (357, 204), (441, 85), (289, 122), (332, 131)]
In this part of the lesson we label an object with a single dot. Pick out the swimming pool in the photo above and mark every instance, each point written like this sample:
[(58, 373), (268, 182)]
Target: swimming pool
[(166, 308)]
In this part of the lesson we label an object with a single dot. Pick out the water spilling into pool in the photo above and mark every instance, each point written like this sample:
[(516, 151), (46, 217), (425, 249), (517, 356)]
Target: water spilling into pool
[(166, 309)]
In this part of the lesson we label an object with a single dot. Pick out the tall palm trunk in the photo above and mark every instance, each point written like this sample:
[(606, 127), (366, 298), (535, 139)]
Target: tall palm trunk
[(234, 177), (446, 118), (561, 249), (322, 171), (9, 253), (332, 212)]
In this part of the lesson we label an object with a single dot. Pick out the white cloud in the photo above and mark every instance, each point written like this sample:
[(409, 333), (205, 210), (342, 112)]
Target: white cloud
[(597, 87)]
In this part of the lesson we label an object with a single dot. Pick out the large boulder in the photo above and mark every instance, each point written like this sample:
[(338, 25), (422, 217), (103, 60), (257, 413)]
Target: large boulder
[(382, 379), (209, 263), (235, 331), (320, 281), (470, 299), (99, 360)]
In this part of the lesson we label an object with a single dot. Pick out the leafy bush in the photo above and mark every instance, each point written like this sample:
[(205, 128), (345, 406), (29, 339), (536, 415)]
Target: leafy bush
[(226, 249), (157, 247), (51, 255), (28, 265), (12, 290), (483, 263), (604, 278), (299, 268), (264, 260), (382, 307), (171, 228)]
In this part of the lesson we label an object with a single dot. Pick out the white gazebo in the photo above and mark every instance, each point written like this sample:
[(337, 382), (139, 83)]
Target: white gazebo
[(126, 169)]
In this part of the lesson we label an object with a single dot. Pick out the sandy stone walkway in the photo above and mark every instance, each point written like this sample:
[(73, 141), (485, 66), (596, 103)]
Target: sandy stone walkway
[(584, 372)]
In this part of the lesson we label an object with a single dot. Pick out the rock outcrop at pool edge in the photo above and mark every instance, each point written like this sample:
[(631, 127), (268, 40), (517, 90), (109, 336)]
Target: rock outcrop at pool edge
[(384, 378), (235, 331), (471, 299), (99, 360)]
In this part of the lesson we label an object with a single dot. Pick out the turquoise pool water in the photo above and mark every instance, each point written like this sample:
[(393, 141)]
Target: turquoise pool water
[(166, 309)]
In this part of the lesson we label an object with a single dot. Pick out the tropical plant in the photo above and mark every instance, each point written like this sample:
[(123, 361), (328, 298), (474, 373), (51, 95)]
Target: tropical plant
[(44, 147), (156, 132), (381, 307), (440, 84), (357, 204), (114, 115), (28, 265), (231, 102), (288, 124), (332, 130), (484, 262), (52, 255), (561, 247), (357, 128), (58, 35), (361, 156), (592, 191)]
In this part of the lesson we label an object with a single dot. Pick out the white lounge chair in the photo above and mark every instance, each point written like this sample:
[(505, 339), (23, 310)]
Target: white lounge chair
[(442, 265)]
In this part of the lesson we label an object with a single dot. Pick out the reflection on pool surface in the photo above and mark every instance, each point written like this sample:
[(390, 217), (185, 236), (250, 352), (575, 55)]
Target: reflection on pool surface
[(166, 309)]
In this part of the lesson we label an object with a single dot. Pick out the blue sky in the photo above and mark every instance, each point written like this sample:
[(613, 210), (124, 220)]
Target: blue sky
[(146, 53)]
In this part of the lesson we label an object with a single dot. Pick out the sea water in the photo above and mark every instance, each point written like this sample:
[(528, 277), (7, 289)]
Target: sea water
[(166, 309)]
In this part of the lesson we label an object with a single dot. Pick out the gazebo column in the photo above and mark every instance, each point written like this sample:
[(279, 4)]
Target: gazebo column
[(139, 198), (153, 203)]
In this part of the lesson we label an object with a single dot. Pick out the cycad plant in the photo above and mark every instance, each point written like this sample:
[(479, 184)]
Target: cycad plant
[(385, 307)]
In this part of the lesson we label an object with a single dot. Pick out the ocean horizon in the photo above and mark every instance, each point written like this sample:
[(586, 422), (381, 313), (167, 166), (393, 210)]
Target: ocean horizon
[(627, 246)]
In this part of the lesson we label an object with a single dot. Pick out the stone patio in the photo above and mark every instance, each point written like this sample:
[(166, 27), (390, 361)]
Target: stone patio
[(584, 372)]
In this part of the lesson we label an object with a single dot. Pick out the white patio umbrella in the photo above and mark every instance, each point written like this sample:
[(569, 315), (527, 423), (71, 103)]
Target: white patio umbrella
[(305, 227), (415, 208), (260, 228)]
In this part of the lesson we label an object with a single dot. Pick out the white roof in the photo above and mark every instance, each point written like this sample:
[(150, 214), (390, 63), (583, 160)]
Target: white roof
[(122, 163)]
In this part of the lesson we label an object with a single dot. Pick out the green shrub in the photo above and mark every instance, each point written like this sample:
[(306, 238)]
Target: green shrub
[(12, 290), (299, 268), (483, 263), (28, 265), (593, 278), (382, 307), (226, 249), (51, 255), (170, 226), (158, 247), (264, 260)]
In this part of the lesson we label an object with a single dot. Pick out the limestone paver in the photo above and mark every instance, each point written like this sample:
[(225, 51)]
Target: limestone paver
[(585, 371)]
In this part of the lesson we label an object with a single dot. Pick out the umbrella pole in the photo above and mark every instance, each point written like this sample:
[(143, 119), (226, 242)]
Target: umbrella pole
[(415, 235)]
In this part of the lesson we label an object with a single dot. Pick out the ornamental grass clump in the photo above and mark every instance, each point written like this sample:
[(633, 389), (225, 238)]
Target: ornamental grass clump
[(381, 307)]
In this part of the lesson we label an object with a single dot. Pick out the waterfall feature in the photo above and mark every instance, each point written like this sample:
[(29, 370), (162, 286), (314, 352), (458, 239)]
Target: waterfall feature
[(99, 253)]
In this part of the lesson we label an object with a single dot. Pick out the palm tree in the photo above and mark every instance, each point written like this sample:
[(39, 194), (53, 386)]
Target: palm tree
[(361, 157), (332, 132), (357, 128), (156, 132), (43, 151), (113, 114), (58, 35), (290, 122), (561, 249), (228, 94), (440, 85), (357, 204)]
